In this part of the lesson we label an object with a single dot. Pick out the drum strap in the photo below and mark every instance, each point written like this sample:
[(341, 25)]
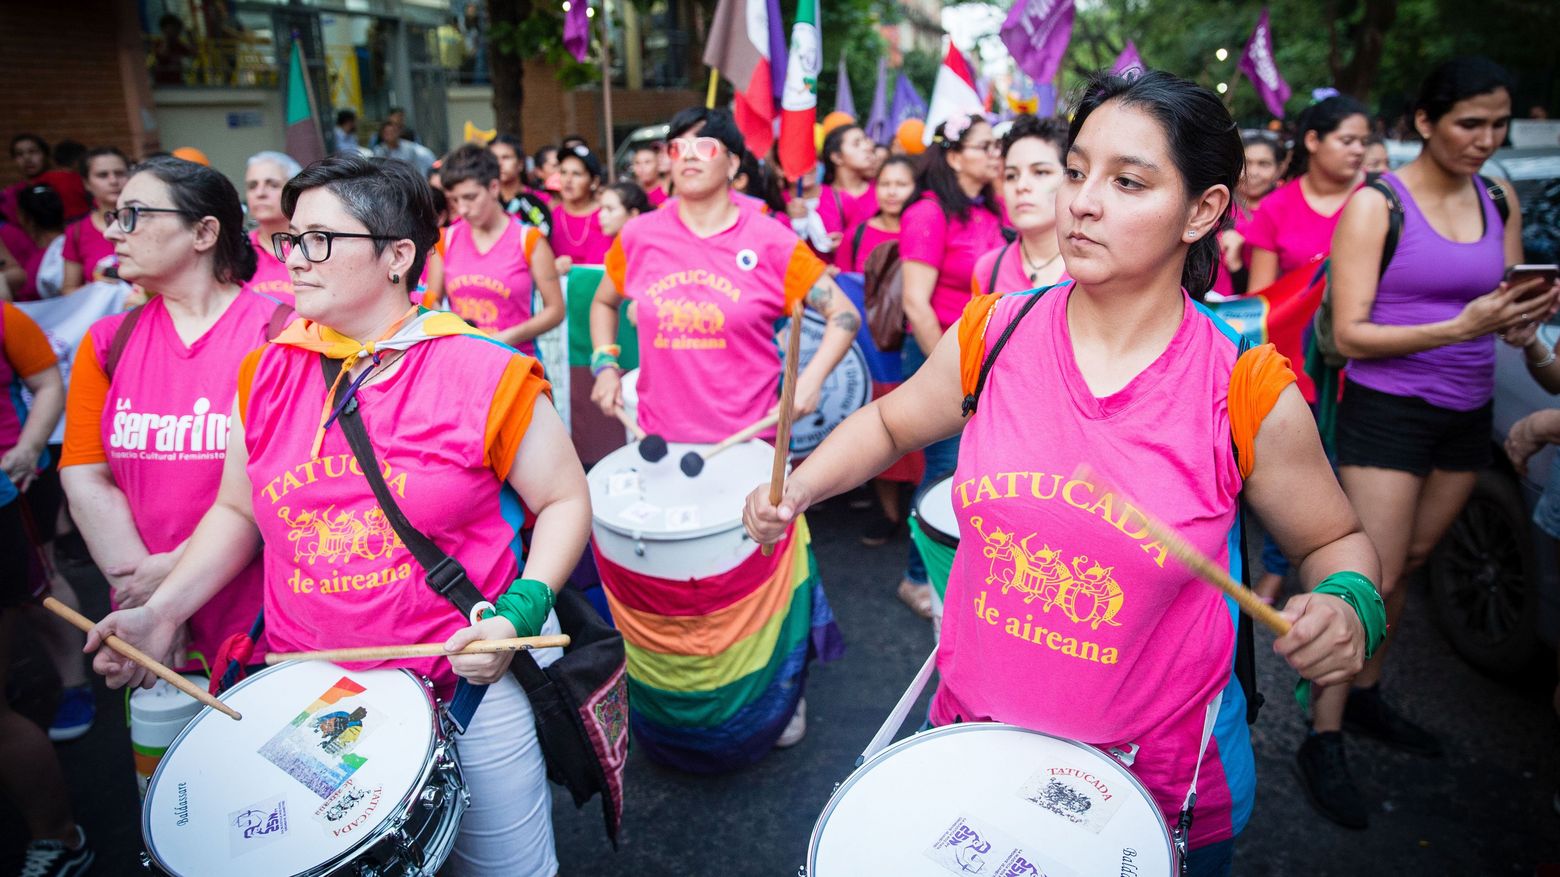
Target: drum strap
[(896, 718), (1183, 825)]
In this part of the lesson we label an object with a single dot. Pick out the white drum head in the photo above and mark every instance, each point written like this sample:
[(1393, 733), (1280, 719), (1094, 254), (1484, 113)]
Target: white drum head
[(990, 799), (935, 511), (657, 501), (322, 758), (847, 388)]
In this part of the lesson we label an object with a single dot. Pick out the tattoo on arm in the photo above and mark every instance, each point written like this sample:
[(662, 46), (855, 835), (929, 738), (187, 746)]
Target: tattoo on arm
[(848, 321), (820, 297)]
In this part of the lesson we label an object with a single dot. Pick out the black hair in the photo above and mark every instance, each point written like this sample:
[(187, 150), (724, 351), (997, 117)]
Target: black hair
[(582, 154), (1262, 138), (832, 144), (1204, 144), (387, 123), (909, 164), (1323, 117), (633, 198), (574, 138), (510, 141), (384, 194), (763, 182), (68, 153), (717, 123), (468, 162), (393, 110), (345, 116), (441, 201), (541, 155), (939, 177), (84, 167), (648, 146), (43, 145), (1457, 80), (42, 207), (1048, 130), (200, 191)]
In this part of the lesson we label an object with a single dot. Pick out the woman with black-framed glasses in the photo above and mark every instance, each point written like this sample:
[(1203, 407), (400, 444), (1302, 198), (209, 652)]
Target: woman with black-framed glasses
[(151, 388)]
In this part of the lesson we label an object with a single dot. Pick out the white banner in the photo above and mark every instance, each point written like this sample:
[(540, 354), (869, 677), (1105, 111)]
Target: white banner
[(65, 321)]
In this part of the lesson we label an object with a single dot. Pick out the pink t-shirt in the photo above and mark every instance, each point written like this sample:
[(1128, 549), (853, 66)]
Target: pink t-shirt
[(579, 237), (854, 258), (1284, 223), (162, 428), (949, 245), (272, 279), (1010, 275), (491, 290), (87, 247), (1063, 614), (657, 196), (336, 575), (708, 364), (841, 210)]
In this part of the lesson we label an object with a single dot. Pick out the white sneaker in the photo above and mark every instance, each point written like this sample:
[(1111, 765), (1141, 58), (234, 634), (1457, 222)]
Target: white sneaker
[(795, 729)]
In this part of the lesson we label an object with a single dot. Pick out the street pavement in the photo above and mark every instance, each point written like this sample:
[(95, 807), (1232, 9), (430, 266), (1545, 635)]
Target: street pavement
[(1485, 808)]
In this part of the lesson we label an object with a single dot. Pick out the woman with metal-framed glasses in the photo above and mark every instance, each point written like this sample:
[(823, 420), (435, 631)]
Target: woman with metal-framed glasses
[(151, 389)]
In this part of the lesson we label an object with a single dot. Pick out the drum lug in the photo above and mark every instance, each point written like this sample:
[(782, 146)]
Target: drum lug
[(639, 546), (146, 862), (431, 797)]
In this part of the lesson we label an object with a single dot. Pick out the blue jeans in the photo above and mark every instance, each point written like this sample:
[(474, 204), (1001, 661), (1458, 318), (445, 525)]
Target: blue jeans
[(941, 457), (1213, 860)]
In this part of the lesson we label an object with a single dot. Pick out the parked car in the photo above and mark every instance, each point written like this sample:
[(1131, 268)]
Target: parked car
[(624, 157), (1495, 579)]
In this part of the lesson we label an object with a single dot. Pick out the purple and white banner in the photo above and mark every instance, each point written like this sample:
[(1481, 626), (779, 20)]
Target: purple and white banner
[(1258, 65), (1036, 33)]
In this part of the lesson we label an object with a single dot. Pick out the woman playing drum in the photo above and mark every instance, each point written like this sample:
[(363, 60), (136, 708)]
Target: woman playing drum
[(461, 426), (1063, 614), (710, 277)]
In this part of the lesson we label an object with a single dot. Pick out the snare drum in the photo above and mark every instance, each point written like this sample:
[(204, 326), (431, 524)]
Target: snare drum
[(331, 772), (847, 388), (935, 532), (654, 520), (991, 799)]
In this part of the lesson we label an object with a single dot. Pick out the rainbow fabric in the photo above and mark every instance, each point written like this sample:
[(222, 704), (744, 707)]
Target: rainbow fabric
[(716, 666)]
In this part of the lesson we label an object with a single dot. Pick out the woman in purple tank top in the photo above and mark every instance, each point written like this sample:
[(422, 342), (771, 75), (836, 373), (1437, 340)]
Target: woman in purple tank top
[(1414, 424)]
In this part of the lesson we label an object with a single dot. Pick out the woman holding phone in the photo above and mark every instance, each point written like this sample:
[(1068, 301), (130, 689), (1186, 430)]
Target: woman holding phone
[(1415, 420)]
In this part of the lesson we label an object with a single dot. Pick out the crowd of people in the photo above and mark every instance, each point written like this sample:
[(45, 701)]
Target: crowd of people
[(1112, 226)]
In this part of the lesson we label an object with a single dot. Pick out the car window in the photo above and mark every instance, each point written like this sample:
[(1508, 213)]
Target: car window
[(1540, 219)]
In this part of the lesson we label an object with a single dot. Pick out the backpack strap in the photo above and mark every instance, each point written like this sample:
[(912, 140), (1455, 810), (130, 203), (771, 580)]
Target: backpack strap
[(855, 243), (279, 320), (1497, 193), (116, 347), (991, 283), (970, 400), (1394, 219)]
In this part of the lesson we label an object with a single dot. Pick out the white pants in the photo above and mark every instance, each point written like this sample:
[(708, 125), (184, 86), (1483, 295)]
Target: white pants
[(508, 827)]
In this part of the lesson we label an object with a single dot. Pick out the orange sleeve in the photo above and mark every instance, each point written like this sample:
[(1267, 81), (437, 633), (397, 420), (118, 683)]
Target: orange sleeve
[(616, 263), (1260, 375), (972, 339), (84, 403), (26, 347), (246, 381), (801, 273), (532, 236), (509, 414)]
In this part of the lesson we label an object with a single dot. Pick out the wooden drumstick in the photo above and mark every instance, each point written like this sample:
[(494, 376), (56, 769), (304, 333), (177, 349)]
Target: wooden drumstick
[(422, 650), (652, 448), (1200, 564), (692, 463), (793, 353), (142, 658)]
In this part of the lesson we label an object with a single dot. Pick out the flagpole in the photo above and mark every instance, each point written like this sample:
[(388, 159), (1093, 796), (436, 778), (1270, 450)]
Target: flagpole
[(1229, 96), (709, 98), (606, 88)]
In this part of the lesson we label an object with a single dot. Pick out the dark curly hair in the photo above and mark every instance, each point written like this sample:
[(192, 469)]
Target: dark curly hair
[(200, 191)]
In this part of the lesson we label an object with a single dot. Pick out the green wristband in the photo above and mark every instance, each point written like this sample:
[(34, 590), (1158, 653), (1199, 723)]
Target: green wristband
[(526, 605), (1362, 596)]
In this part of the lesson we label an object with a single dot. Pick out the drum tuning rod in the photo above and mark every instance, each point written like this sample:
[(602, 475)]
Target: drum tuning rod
[(652, 448), (142, 658), (422, 650), (1200, 564), (793, 354), (692, 463)]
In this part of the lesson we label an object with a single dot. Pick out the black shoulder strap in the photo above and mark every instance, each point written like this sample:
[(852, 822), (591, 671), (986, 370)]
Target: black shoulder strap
[(445, 575), (1497, 194), (1245, 633), (855, 243), (1394, 219), (991, 283), (121, 339), (991, 357)]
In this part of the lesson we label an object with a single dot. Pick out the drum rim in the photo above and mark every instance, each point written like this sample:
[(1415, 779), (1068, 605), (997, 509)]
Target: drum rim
[(934, 533), (638, 535), (962, 728), (392, 822)]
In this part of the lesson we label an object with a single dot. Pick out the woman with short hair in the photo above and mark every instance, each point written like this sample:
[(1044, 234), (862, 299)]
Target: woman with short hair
[(264, 176)]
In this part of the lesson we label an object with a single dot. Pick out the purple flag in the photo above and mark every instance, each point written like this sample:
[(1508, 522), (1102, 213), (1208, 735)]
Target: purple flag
[(1036, 34), (877, 120), (844, 101), (779, 52), (907, 102), (1258, 65), (1129, 59), (576, 29), (1046, 92)]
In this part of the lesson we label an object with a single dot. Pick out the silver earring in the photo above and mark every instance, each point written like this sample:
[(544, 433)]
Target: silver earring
[(1191, 234)]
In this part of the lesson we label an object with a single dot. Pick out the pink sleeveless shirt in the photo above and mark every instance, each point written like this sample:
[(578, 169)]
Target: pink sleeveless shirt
[(1063, 614), (491, 290)]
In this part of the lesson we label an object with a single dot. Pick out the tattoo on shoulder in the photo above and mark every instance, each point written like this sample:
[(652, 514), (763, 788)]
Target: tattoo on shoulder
[(820, 296), (849, 321)]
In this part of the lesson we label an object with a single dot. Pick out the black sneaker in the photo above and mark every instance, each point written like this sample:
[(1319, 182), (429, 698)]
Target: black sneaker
[(881, 531), (1324, 774), (52, 858), (1366, 713)]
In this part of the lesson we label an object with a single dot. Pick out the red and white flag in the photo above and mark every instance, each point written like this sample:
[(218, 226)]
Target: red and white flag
[(740, 48), (954, 93)]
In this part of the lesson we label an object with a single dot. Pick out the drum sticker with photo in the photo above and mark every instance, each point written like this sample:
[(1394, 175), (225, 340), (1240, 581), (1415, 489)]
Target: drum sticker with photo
[(318, 748), (967, 847), (1080, 795), (639, 513), (256, 826)]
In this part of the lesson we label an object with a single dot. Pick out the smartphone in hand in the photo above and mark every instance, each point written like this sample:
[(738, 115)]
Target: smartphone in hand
[(1518, 274)]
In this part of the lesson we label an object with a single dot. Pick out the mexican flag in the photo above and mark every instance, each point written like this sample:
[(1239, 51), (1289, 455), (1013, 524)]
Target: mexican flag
[(304, 142), (799, 102), (744, 38), (953, 93)]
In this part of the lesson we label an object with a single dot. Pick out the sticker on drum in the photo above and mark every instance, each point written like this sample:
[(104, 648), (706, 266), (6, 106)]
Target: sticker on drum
[(324, 761), (846, 389), (990, 799)]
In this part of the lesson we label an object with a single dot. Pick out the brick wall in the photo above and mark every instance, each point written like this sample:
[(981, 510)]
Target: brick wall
[(73, 57)]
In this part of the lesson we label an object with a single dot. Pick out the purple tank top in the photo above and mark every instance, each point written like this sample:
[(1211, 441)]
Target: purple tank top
[(1430, 279)]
